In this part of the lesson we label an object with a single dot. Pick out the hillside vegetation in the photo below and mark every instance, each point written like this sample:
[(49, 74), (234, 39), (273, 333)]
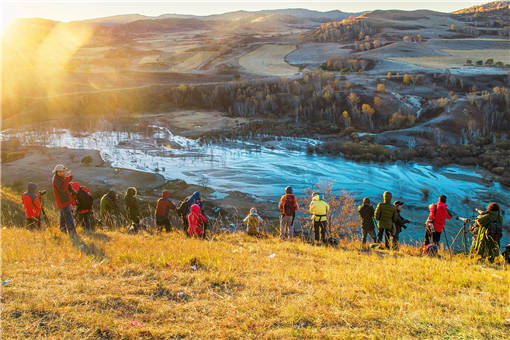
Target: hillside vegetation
[(234, 286)]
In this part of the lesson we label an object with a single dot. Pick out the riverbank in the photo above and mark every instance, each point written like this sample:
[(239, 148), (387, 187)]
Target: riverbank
[(113, 285), (35, 164), (235, 175)]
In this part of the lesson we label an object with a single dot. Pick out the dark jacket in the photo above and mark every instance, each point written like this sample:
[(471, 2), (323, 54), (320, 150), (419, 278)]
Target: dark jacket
[(193, 199), (84, 201), (131, 205), (400, 223), (108, 204), (366, 215)]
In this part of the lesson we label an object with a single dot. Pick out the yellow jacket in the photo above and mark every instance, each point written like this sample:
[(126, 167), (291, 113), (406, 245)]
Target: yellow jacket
[(319, 209)]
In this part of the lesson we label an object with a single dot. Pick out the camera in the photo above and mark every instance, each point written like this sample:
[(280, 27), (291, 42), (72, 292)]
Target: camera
[(43, 192)]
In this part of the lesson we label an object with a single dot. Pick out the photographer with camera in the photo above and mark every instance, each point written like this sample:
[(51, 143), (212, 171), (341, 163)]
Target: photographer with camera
[(32, 204), (487, 232), (64, 197), (438, 214)]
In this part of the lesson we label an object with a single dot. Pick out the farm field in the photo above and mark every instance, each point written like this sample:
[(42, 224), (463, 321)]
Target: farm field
[(457, 58), (269, 60)]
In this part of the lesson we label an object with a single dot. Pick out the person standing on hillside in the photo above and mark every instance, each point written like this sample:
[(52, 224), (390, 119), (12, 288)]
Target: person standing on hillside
[(488, 230), (64, 197), (163, 208), (84, 206), (399, 224), (288, 206), (366, 215), (386, 215), (320, 211), (109, 209), (132, 209), (435, 222), (32, 204)]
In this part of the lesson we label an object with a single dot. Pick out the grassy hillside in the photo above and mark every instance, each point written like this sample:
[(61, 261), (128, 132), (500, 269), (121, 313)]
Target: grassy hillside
[(239, 287)]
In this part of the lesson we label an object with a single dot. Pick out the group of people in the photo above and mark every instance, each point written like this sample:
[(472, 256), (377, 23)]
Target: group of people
[(75, 203)]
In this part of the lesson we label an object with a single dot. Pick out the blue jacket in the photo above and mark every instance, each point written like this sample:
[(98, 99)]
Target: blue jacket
[(193, 199)]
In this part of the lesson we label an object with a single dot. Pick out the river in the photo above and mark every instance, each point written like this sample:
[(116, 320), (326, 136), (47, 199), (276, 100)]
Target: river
[(263, 171)]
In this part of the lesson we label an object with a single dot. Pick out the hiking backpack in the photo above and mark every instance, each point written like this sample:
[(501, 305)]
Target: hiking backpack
[(495, 229), (84, 199), (430, 250), (289, 206)]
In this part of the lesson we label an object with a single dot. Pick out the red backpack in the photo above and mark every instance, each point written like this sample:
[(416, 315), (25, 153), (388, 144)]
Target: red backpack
[(289, 205)]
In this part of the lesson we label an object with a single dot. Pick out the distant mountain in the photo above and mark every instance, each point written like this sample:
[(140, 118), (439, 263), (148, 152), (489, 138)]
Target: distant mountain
[(300, 13), (115, 19), (161, 25), (488, 7)]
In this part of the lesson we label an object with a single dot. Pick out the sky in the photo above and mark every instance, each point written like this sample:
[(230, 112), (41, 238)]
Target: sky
[(85, 9)]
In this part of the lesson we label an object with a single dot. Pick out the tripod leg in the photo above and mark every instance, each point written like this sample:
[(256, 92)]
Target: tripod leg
[(464, 238), (446, 239), (456, 236)]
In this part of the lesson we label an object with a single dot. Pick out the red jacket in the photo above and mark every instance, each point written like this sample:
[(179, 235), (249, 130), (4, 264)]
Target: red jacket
[(164, 205), (196, 221), (32, 205), (63, 196), (438, 214)]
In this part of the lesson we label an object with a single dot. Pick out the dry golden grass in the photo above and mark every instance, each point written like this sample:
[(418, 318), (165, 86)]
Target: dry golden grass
[(96, 286), (269, 59)]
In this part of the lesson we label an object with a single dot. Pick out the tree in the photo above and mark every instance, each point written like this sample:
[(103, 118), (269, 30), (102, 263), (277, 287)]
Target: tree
[(469, 62), (489, 62), (367, 109), (347, 84), (346, 118), (381, 88), (452, 27), (406, 80), (388, 75), (479, 62), (377, 102), (442, 102)]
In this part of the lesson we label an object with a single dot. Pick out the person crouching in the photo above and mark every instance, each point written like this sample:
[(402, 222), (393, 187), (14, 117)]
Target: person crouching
[(196, 222), (253, 221)]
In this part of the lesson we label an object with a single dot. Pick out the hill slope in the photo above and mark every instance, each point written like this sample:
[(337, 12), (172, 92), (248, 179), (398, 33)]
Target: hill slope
[(113, 285)]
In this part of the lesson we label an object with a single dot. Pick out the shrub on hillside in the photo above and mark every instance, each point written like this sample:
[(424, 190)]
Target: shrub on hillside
[(343, 219), (87, 160)]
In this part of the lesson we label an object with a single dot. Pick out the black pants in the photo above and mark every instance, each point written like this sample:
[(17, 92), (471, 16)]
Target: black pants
[(368, 232), (396, 243), (34, 223), (162, 221), (387, 236), (86, 219), (319, 229), (435, 235)]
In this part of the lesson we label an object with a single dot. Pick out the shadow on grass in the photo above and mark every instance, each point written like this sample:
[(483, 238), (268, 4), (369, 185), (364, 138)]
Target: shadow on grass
[(98, 236), (88, 249)]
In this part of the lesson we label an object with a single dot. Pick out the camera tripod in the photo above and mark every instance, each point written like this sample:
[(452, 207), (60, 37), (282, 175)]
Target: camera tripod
[(462, 231)]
